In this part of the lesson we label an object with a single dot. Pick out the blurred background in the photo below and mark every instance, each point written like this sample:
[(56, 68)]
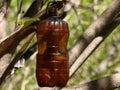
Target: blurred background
[(80, 14)]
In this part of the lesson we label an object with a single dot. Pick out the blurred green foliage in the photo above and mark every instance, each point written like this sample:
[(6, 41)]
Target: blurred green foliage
[(107, 54)]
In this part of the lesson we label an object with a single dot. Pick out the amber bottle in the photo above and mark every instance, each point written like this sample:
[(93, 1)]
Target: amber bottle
[(52, 58)]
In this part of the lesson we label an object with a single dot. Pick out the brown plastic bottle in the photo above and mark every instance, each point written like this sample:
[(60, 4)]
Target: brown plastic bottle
[(52, 58)]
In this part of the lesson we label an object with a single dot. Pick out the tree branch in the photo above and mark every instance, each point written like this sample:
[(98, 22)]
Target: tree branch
[(14, 39), (34, 8), (106, 83), (15, 59), (9, 43), (93, 30), (3, 8), (93, 45)]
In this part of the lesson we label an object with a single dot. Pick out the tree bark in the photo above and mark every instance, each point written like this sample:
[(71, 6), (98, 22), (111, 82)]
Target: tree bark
[(93, 45), (106, 83), (94, 30), (9, 43), (4, 4), (11, 66)]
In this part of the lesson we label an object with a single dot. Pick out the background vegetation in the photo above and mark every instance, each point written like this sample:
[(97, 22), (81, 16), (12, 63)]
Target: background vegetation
[(81, 13)]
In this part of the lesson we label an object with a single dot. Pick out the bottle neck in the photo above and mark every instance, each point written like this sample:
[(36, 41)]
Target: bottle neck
[(52, 12)]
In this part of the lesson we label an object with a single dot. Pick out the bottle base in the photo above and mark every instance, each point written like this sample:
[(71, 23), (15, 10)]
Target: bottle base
[(52, 77)]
